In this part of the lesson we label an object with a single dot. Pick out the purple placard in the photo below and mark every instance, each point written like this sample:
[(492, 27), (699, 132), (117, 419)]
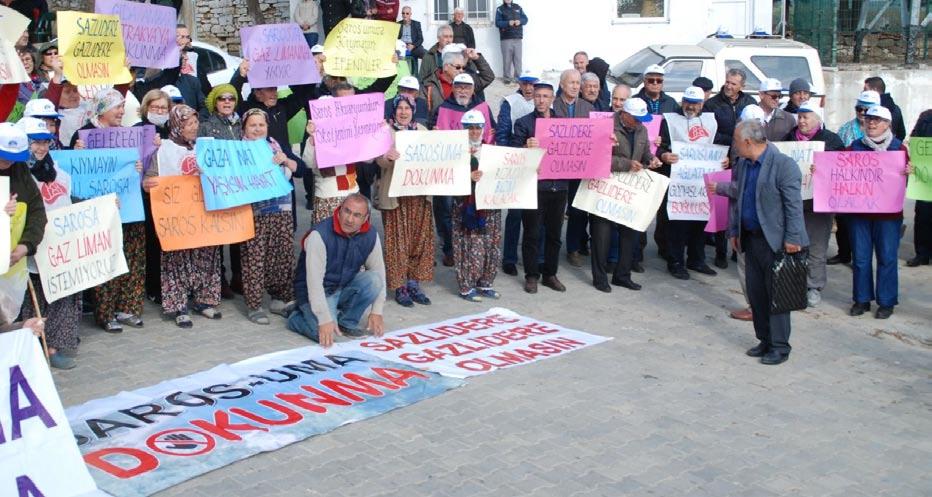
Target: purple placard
[(575, 148), (350, 129), (718, 212), (859, 182), (278, 55), (148, 32), (449, 119), (601, 115), (141, 138)]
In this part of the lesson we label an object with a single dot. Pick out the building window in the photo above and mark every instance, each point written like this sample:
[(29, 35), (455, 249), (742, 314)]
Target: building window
[(476, 10), (642, 10)]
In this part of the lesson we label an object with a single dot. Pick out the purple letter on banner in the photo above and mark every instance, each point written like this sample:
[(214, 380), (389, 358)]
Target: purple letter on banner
[(859, 182), (718, 214), (148, 32), (349, 129), (278, 55), (601, 115), (575, 148), (141, 138), (449, 119)]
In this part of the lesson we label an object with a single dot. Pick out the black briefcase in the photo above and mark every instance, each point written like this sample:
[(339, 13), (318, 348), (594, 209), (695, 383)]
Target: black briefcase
[(789, 282)]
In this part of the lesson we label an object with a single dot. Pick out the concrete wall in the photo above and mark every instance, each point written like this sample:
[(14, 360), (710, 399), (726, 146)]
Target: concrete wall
[(911, 90)]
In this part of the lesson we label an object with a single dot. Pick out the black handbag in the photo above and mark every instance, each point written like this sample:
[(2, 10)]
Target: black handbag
[(790, 272)]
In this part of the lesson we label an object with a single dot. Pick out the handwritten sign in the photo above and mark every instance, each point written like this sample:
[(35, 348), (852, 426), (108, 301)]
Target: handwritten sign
[(361, 47), (148, 32), (431, 163), (141, 138), (11, 68), (509, 177), (575, 148), (687, 199), (920, 181), (349, 129), (718, 212), (802, 154), (182, 222), (859, 182), (95, 173), (238, 172), (653, 131), (82, 247), (631, 199), (601, 115), (5, 242), (450, 119), (12, 23), (93, 50), (278, 55)]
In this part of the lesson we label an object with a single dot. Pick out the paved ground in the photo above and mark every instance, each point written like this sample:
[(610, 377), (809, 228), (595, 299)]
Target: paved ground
[(671, 407)]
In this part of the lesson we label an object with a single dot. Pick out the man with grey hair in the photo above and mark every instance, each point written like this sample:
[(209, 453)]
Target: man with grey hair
[(728, 104), (766, 217), (438, 86), (589, 91), (433, 58), (462, 32)]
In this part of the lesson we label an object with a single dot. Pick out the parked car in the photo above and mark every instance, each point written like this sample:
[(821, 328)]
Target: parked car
[(782, 59)]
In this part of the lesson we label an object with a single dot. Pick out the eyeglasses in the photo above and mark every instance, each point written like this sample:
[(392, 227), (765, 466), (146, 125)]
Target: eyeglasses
[(860, 110), (163, 108), (226, 98), (458, 68), (874, 119), (773, 95), (653, 81)]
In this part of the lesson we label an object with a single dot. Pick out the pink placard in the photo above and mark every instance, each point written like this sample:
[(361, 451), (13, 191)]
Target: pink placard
[(449, 119), (653, 131), (859, 182), (349, 129), (601, 115), (148, 32), (576, 148), (278, 55), (718, 214)]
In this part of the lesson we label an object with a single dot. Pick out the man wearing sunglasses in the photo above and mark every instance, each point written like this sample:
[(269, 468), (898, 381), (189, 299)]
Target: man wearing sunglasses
[(777, 122), (652, 93)]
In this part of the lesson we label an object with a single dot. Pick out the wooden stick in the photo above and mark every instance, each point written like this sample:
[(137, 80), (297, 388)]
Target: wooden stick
[(35, 305)]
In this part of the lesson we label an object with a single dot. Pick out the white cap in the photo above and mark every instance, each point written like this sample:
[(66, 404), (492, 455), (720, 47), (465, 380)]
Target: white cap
[(173, 93), (14, 145), (543, 82), (752, 112), (453, 47), (770, 84), (528, 77), (473, 117), (316, 49), (868, 98), (409, 82), (41, 107), (879, 111), (694, 95), (638, 108), (35, 128), (807, 106), (463, 79), (654, 69)]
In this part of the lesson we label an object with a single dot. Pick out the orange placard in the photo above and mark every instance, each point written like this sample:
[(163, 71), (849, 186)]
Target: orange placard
[(182, 222)]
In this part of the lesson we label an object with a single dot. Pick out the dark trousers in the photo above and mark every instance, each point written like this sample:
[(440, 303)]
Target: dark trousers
[(601, 230), (771, 329), (843, 237), (688, 236), (922, 236), (721, 245), (549, 212), (513, 236), (153, 253), (443, 220), (311, 39), (576, 236), (660, 229), (413, 57)]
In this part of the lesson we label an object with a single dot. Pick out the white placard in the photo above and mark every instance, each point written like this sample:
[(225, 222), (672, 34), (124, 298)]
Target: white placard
[(802, 154), (509, 177), (631, 199), (431, 163), (686, 198)]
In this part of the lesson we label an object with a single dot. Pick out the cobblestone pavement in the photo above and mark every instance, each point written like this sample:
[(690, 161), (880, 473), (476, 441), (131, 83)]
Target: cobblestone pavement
[(670, 407)]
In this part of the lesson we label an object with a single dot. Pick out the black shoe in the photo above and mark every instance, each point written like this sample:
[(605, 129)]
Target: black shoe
[(757, 351), (721, 262), (309, 204), (603, 287), (637, 267), (917, 261), (510, 269), (626, 283), (704, 269), (663, 255), (553, 283), (838, 260), (352, 332), (883, 312), (530, 284), (857, 309), (773, 358), (584, 250), (678, 272)]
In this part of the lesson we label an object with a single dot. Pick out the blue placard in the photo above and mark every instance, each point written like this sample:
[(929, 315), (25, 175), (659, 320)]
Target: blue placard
[(97, 172), (238, 172)]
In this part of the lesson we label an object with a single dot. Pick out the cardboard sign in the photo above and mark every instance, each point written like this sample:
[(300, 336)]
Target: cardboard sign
[(653, 131), (686, 198), (431, 163), (802, 153), (509, 177), (631, 199), (601, 115), (182, 222), (718, 212), (11, 68), (575, 148), (141, 138), (107, 170), (238, 172), (451, 119), (148, 32), (859, 182), (82, 247), (361, 47), (349, 129), (920, 181), (6, 246), (278, 56), (38, 456), (92, 48)]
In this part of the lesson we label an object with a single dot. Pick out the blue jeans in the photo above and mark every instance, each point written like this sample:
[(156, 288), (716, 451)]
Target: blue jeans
[(868, 236), (347, 305), (513, 236), (311, 38)]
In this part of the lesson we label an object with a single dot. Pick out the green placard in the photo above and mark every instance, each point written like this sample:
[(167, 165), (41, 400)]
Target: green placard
[(920, 181)]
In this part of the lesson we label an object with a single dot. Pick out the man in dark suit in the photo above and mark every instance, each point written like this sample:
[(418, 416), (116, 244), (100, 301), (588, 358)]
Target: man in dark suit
[(766, 217), (409, 31)]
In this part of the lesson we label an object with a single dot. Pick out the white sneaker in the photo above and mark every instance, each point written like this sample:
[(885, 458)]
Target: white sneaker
[(813, 297)]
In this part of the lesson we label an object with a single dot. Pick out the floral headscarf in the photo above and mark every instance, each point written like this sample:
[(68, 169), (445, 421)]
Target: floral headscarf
[(178, 117), (105, 100), (391, 120)]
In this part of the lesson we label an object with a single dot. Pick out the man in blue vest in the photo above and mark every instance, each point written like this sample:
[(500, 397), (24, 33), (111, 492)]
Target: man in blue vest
[(331, 291)]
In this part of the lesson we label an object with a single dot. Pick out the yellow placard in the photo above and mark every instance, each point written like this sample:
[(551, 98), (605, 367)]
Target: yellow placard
[(92, 48), (361, 48)]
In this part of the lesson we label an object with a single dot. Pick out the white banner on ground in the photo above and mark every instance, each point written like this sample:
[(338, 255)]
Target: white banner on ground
[(82, 247), (477, 344), (38, 455), (686, 197), (802, 154), (431, 163), (509, 177), (631, 199)]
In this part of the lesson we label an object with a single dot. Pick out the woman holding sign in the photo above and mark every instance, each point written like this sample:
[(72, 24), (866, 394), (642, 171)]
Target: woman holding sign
[(408, 221)]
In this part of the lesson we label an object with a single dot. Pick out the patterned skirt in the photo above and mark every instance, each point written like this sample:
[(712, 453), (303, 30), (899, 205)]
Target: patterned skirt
[(477, 253), (62, 317), (125, 293), (190, 273), (409, 242), (268, 260)]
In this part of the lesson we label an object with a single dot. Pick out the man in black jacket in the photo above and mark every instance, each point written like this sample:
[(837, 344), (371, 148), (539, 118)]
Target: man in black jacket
[(462, 32), (652, 93), (877, 84), (334, 11), (728, 104), (409, 31)]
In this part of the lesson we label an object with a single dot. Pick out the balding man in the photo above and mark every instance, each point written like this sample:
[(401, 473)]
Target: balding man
[(462, 32)]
